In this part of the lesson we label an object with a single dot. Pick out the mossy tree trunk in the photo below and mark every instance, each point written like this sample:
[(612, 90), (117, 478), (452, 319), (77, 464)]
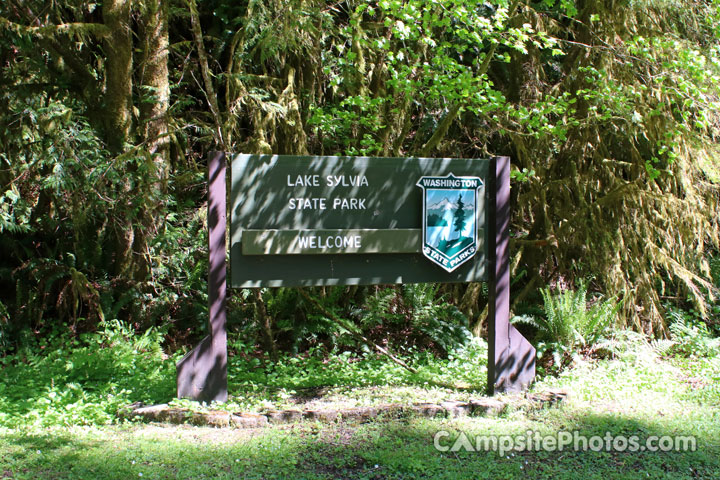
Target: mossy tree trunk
[(153, 130), (155, 84), (118, 73)]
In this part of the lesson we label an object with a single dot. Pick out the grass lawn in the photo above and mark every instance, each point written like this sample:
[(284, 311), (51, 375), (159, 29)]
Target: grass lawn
[(637, 392)]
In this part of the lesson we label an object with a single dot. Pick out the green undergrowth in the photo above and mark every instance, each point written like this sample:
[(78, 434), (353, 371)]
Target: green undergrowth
[(351, 379), (636, 388), (465, 366), (633, 366), (84, 381), (88, 380)]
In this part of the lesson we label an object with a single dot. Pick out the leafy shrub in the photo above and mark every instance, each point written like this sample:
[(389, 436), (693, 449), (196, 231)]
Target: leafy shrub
[(691, 339), (465, 366), (84, 380), (415, 315), (297, 326), (68, 208), (403, 317), (570, 324)]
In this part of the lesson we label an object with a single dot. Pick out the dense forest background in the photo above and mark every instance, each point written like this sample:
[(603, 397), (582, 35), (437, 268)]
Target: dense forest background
[(609, 110)]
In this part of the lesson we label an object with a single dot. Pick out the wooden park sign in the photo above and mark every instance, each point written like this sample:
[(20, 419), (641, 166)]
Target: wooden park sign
[(305, 221)]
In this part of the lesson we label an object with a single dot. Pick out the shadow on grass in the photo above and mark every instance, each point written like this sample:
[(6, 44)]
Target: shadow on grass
[(382, 449), (45, 443)]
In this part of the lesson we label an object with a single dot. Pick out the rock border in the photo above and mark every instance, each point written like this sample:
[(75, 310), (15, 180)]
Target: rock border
[(481, 407)]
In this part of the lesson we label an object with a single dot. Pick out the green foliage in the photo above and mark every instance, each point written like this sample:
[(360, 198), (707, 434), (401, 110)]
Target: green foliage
[(62, 213), (178, 258), (85, 380), (642, 394), (58, 165), (431, 60), (61, 180), (298, 325), (703, 374), (254, 382), (712, 318), (691, 338), (401, 317), (615, 108), (570, 324), (609, 113), (414, 315), (339, 126)]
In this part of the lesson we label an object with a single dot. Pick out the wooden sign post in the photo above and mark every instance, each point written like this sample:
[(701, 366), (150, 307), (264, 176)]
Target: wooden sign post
[(511, 358), (307, 221), (202, 373)]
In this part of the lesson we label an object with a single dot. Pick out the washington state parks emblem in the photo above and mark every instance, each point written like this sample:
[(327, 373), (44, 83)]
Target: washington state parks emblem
[(450, 207)]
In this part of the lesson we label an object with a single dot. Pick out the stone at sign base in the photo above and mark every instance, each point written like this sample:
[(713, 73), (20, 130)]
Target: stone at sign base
[(248, 420), (480, 407), (284, 416)]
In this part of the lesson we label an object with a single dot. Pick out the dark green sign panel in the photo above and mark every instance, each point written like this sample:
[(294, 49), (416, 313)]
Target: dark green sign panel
[(302, 221)]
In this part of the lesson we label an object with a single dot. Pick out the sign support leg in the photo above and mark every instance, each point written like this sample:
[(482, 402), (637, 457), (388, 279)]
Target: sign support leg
[(202, 373), (511, 358)]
